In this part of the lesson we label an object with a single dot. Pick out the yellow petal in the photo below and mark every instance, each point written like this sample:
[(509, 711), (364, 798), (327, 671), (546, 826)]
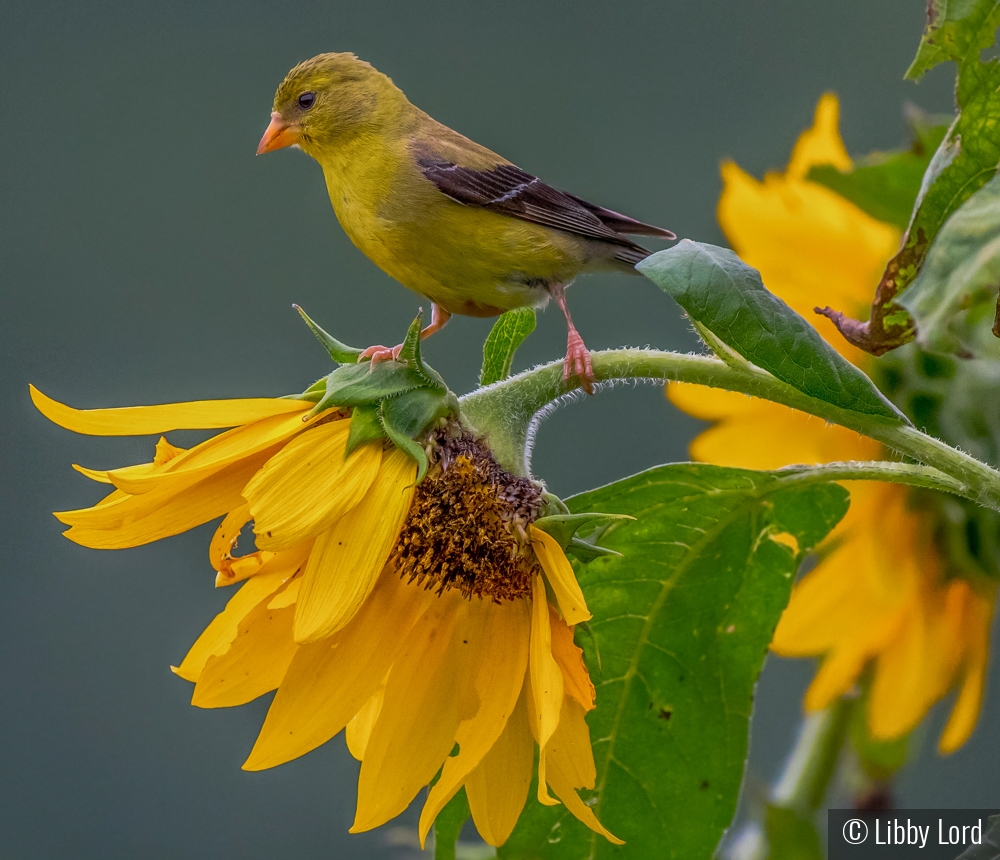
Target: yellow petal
[(217, 637), (822, 143), (359, 729), (559, 573), (498, 638), (569, 656), (287, 596), (420, 714), (976, 623), (498, 786), (210, 456), (347, 559), (254, 664), (303, 489), (135, 520), (144, 420), (101, 476), (224, 540), (570, 766), (329, 681), (546, 682)]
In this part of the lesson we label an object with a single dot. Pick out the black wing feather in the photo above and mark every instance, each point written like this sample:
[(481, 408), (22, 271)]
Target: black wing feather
[(508, 190)]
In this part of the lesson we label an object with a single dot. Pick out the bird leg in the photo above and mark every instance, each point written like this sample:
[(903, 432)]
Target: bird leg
[(577, 362), (377, 354)]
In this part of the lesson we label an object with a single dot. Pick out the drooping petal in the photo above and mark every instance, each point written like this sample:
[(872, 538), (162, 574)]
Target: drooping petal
[(222, 630), (976, 624), (569, 656), (329, 681), (416, 727), (570, 765), (134, 520), (309, 485), (559, 573), (499, 663), (347, 559), (210, 456), (359, 729), (144, 420), (253, 665), (546, 682), (498, 786)]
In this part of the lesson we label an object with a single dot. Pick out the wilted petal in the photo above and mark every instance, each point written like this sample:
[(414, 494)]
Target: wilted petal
[(144, 420)]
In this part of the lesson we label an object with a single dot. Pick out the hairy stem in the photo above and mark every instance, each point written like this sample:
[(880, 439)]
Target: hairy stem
[(507, 410)]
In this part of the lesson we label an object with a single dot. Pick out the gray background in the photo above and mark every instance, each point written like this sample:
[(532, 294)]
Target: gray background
[(148, 256)]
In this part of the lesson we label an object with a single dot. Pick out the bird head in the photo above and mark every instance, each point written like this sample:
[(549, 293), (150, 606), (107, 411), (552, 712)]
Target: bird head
[(327, 100)]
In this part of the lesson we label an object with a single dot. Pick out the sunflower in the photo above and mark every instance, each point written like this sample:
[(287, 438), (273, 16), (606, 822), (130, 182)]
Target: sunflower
[(434, 622), (883, 597)]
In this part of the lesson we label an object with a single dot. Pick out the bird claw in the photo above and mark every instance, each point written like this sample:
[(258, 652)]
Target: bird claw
[(380, 353), (577, 363)]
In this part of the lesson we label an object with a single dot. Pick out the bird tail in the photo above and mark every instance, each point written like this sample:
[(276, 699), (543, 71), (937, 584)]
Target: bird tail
[(622, 223)]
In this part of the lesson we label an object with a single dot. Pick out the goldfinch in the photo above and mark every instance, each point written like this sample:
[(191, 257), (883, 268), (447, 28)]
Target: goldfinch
[(444, 216)]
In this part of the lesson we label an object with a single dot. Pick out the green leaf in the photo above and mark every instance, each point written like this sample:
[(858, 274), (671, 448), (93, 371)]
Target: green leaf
[(956, 30), (724, 294), (507, 334), (964, 162), (885, 184), (339, 352), (448, 826), (682, 623), (954, 299), (790, 835)]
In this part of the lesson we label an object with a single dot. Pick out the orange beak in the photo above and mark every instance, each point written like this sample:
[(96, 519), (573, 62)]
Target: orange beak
[(278, 135)]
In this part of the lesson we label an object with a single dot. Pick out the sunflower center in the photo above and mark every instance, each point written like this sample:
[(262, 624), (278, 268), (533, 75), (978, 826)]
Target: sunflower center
[(467, 525)]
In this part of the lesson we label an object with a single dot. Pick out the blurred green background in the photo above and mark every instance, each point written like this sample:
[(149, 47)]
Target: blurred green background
[(148, 256)]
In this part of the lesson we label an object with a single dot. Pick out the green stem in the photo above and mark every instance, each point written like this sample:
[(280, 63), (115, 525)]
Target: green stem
[(911, 474), (813, 761), (507, 410)]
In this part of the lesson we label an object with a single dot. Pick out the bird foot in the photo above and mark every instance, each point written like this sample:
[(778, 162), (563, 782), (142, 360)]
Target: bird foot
[(577, 363), (380, 353)]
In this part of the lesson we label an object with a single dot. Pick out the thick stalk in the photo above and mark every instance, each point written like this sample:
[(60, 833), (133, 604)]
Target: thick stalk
[(813, 761), (507, 410)]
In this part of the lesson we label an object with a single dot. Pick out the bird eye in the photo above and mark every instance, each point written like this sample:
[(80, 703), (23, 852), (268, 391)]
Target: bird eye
[(306, 100)]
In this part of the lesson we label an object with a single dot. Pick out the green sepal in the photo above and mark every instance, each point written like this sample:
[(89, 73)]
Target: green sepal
[(314, 392), (364, 384), (410, 354), (507, 334), (366, 426), (339, 352), (553, 505), (405, 444), (585, 551), (564, 527)]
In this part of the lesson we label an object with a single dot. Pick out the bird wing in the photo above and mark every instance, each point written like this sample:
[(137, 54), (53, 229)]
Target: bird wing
[(508, 190)]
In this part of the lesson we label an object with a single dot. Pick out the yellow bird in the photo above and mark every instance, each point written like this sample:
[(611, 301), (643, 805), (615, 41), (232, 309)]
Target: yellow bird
[(444, 216)]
